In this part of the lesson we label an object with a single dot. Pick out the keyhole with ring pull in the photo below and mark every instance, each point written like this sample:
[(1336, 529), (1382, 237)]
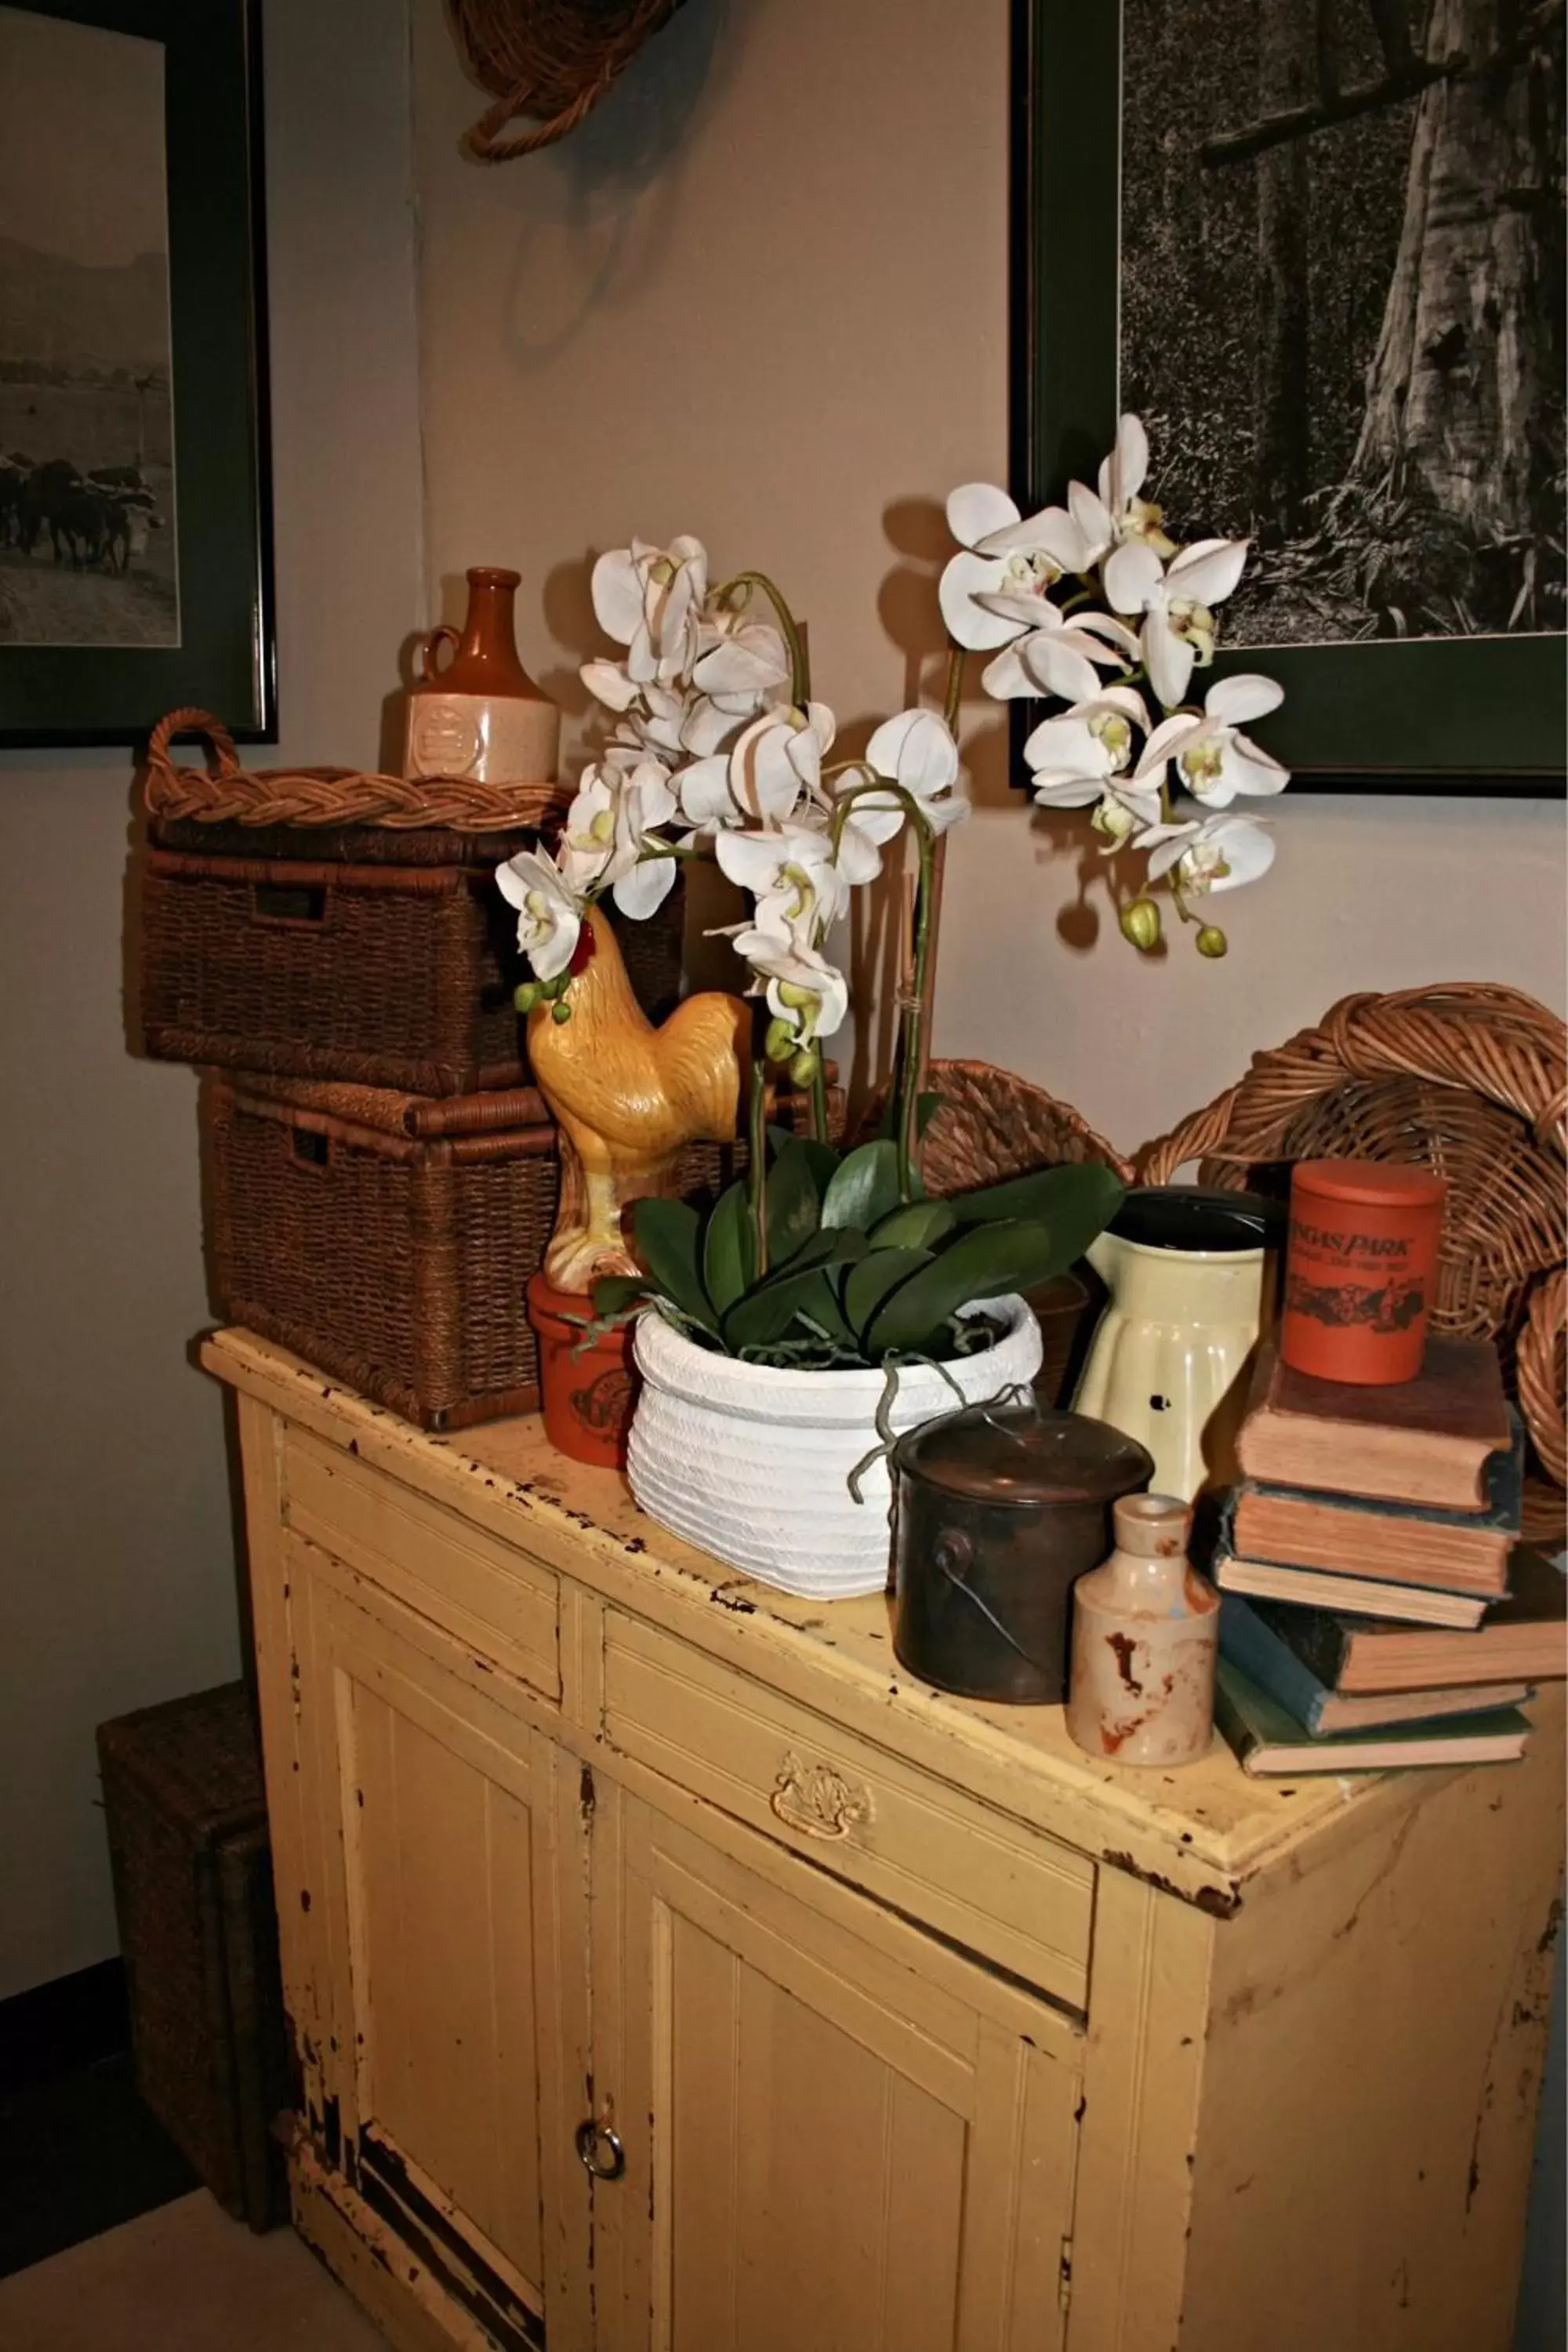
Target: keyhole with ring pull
[(600, 2150)]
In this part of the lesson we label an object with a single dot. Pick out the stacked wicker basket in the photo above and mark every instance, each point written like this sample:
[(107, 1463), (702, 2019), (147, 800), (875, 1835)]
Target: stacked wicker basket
[(330, 949)]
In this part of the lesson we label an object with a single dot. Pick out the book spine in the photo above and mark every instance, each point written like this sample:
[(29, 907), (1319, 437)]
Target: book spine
[(1270, 1662)]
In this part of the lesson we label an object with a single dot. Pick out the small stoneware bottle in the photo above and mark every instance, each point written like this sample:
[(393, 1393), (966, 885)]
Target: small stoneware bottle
[(480, 715), (1144, 1631)]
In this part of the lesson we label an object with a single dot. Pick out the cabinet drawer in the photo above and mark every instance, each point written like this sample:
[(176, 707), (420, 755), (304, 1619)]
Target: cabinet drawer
[(493, 1598), (948, 1862)]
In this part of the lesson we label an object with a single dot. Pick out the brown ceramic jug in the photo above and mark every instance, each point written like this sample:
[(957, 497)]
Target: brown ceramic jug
[(482, 715)]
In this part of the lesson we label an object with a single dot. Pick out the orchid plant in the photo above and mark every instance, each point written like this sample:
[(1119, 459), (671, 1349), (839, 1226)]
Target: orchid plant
[(1092, 604), (716, 748)]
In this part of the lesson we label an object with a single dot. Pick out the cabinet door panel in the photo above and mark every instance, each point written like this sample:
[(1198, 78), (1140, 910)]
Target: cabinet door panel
[(436, 1850), (837, 2134)]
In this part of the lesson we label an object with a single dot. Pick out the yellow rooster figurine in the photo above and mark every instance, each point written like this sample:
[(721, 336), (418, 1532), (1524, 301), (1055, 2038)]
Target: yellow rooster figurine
[(626, 1097)]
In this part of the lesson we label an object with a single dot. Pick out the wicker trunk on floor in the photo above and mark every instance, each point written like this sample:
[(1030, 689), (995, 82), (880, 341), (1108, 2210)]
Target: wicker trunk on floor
[(186, 1814)]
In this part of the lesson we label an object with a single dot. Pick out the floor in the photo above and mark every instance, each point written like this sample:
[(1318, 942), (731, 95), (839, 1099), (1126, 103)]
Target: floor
[(79, 2154), (183, 2278)]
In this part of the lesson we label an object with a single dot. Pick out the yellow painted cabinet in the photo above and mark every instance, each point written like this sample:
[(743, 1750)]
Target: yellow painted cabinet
[(882, 2019), (834, 2133)]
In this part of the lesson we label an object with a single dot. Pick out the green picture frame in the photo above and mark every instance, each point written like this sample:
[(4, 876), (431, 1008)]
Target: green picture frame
[(1480, 717), (215, 391)]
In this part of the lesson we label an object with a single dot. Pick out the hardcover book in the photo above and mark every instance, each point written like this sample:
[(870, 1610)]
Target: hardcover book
[(1427, 1441), (1262, 1653), (1465, 1552), (1270, 1743), (1524, 1638), (1362, 1596)]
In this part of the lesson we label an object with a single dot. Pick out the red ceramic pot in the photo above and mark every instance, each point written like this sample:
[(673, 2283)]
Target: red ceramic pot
[(1360, 1269), (588, 1387)]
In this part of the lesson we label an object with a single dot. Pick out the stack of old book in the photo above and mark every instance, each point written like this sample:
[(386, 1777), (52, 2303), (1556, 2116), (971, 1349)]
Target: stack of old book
[(1379, 1608)]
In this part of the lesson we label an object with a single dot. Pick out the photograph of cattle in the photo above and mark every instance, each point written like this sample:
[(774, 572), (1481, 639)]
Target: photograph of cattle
[(88, 542)]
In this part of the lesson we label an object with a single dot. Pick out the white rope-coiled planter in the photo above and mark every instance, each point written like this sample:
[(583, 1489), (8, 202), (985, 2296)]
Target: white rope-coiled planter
[(752, 1462)]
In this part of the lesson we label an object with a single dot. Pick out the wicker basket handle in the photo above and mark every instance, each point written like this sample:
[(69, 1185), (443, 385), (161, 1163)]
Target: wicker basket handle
[(192, 721)]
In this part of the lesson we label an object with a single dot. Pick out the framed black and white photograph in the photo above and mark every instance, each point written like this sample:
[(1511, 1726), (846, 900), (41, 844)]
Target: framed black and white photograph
[(1317, 246), (135, 564)]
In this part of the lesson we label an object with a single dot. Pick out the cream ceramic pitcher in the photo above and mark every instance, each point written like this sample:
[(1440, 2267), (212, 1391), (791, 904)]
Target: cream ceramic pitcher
[(1171, 1358)]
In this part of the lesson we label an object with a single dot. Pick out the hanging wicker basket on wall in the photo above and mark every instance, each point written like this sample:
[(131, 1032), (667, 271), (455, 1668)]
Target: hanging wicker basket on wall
[(550, 60)]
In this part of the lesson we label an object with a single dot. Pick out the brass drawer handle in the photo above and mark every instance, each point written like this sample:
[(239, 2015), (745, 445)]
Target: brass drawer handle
[(816, 1799), (599, 2150)]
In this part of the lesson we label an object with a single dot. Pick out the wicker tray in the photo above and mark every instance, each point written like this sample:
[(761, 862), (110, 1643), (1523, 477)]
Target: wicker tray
[(1470, 1079)]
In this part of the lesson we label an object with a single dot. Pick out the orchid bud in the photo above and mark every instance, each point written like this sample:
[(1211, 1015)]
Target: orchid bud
[(1141, 925), (561, 1011), (779, 1044), (1212, 941), (526, 995), (797, 998), (803, 1068)]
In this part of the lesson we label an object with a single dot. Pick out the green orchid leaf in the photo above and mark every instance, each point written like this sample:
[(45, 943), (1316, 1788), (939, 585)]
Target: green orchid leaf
[(824, 1157), (865, 1187), (867, 1283), (729, 1249), (667, 1236), (1074, 1204), (768, 1310), (793, 1202), (926, 1108), (981, 1264), (614, 1293), (919, 1224)]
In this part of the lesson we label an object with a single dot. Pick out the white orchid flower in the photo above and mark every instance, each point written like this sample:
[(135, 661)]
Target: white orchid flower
[(1213, 760), (773, 765), (792, 876), (1176, 603), (549, 914), (588, 836), (1064, 655), (990, 591), (740, 663), (649, 599), (1079, 760), (801, 986), (609, 682), (916, 752), (1116, 512), (641, 877), (1221, 852)]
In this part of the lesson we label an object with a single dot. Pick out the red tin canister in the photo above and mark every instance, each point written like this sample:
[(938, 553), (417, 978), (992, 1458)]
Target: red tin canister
[(1360, 1269)]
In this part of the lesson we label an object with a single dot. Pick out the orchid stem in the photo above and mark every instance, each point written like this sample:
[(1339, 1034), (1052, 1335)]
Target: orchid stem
[(819, 1104), (799, 660), (953, 701), (756, 1173), (912, 1025)]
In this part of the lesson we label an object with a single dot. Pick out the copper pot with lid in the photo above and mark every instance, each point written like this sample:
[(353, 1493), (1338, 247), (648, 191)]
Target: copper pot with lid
[(997, 1510)]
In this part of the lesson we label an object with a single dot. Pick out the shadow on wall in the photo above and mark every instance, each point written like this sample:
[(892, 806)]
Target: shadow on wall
[(592, 209)]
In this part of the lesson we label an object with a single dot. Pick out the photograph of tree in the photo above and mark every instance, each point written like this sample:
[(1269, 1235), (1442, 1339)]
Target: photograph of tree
[(87, 546), (1342, 304)]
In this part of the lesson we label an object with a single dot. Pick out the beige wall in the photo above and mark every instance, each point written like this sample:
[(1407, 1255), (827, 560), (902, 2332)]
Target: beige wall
[(761, 296), (116, 1562)]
